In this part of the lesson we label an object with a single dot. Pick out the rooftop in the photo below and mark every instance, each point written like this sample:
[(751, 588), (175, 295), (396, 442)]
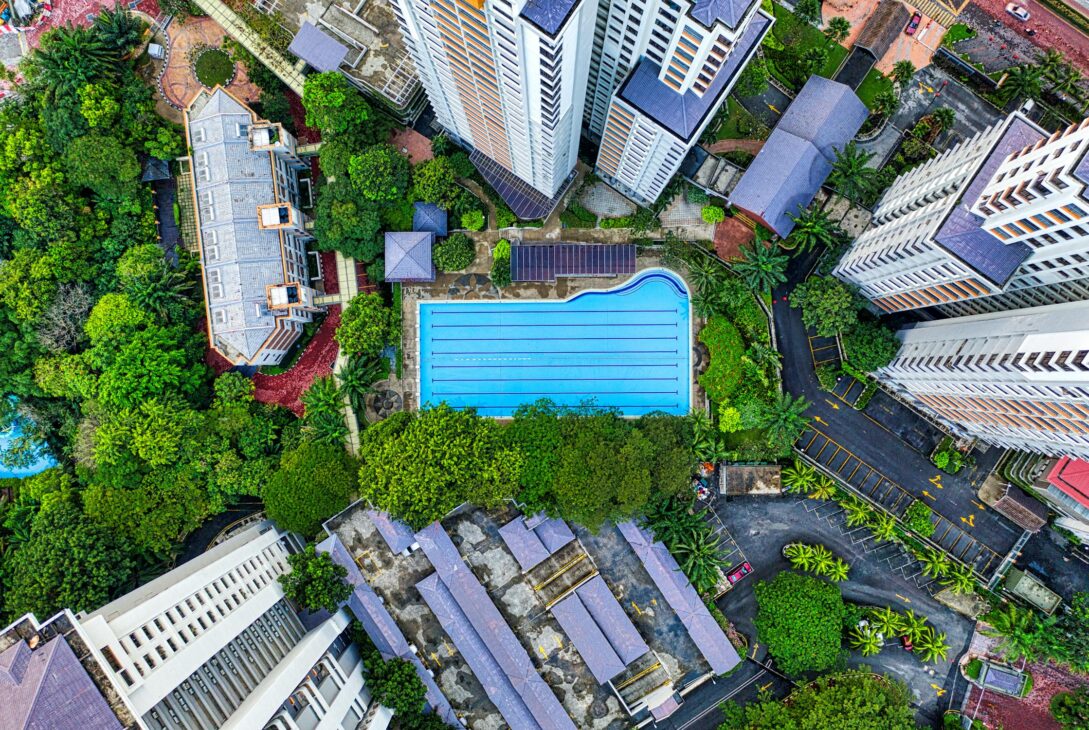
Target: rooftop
[(729, 12), (408, 256), (883, 27), (548, 15), (430, 218), (1071, 477)]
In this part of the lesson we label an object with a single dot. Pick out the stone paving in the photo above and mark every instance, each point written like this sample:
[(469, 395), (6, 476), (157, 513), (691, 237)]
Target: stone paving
[(684, 220), (602, 200), (179, 84)]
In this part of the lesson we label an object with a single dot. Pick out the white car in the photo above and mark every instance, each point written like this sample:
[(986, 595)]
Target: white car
[(1018, 12)]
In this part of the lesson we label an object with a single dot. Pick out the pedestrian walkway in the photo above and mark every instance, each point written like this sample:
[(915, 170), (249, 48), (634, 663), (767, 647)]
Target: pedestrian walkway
[(255, 44)]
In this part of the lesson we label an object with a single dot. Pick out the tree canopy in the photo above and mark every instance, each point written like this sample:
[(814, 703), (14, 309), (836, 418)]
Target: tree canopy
[(313, 483), (828, 305), (800, 619), (315, 581)]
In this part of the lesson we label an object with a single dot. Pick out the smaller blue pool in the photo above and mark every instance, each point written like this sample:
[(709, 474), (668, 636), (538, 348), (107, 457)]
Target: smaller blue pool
[(43, 462), (626, 348)]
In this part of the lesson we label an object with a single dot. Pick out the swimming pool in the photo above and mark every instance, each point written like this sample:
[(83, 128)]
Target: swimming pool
[(41, 463), (626, 348)]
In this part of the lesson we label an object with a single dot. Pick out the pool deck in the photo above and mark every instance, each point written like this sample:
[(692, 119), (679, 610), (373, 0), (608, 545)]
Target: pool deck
[(474, 284)]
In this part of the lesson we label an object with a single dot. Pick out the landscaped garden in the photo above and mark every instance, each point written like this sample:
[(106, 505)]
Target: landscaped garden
[(798, 49), (213, 67)]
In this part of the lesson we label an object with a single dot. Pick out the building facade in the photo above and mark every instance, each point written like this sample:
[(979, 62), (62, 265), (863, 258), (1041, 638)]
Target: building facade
[(251, 232), (506, 78), (665, 78), (214, 643), (1019, 380), (994, 224), (1065, 486)]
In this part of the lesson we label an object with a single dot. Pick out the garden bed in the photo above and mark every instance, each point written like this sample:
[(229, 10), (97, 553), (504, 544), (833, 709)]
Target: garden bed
[(213, 67)]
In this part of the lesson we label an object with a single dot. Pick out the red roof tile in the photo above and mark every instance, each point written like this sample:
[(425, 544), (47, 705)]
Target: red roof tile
[(1071, 476)]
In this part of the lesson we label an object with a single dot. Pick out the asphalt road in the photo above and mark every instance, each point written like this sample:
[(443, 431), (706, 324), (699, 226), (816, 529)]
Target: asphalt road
[(874, 458)]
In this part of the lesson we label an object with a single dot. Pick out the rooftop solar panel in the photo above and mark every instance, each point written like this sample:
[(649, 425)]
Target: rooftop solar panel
[(527, 202), (547, 261)]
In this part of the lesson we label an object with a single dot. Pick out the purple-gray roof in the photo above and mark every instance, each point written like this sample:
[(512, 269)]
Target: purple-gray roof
[(1081, 172), (482, 635), (600, 630), (730, 12), (317, 48), (408, 256), (546, 261), (797, 158), (548, 15), (391, 643), (683, 114), (429, 217), (48, 689), (682, 598), (397, 534), (1003, 679), (531, 540), (961, 234)]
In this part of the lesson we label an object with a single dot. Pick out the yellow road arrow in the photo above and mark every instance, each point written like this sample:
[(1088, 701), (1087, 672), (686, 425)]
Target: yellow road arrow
[(928, 494), (835, 406), (772, 108), (820, 420), (977, 504), (905, 599), (937, 481), (970, 520)]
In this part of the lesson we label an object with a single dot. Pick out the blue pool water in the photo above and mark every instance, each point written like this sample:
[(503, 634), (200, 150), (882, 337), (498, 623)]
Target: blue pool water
[(43, 462), (626, 348)]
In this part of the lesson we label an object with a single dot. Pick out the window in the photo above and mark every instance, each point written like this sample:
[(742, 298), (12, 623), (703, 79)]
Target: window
[(243, 130), (199, 135)]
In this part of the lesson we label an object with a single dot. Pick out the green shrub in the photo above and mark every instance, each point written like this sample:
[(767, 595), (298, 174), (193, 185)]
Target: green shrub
[(213, 67), (800, 618), (621, 222), (456, 253), (462, 166), (870, 345), (473, 220), (828, 376), (500, 273), (729, 419), (973, 668), (712, 214), (917, 519), (724, 375)]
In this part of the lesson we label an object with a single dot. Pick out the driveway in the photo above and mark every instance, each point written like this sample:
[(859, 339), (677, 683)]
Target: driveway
[(875, 459), (1052, 31)]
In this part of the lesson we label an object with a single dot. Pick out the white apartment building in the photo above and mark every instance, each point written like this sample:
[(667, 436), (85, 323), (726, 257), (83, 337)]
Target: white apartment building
[(251, 234), (214, 643), (507, 78), (1017, 379), (666, 69)]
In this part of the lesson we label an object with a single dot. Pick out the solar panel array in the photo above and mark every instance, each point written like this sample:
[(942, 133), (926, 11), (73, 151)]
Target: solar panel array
[(545, 262), (527, 202)]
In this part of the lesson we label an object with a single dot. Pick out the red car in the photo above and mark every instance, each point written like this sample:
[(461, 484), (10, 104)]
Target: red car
[(905, 641), (913, 24), (738, 573)]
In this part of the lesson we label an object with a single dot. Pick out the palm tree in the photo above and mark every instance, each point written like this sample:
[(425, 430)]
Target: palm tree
[(705, 273), (1022, 82), (68, 58), (823, 488), (1067, 80), (912, 625), (1014, 626), (837, 30), (851, 176), (813, 228), (837, 572), (166, 293), (935, 563), (783, 419), (822, 559), (700, 558), (857, 512), (887, 622), (902, 71), (762, 266), (944, 116), (798, 477), (865, 640), (1051, 62), (930, 645), (119, 29), (323, 395), (799, 555), (706, 303), (883, 527), (357, 379), (885, 104), (959, 580)]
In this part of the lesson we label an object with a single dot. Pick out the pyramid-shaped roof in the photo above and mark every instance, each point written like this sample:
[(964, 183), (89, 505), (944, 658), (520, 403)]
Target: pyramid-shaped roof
[(430, 218), (408, 256)]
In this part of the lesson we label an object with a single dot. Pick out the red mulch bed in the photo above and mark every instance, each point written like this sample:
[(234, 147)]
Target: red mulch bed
[(413, 144), (1034, 711), (330, 283), (361, 279), (303, 133), (730, 235), (317, 360), (216, 362)]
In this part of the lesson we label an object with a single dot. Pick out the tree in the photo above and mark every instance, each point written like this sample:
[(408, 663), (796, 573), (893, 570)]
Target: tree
[(103, 164), (837, 30), (151, 365), (60, 328), (712, 214), (851, 175), (315, 581), (435, 181), (761, 267), (798, 477), (828, 305), (811, 61), (885, 104), (783, 420), (357, 379), (314, 482), (396, 685), (472, 220), (323, 419), (944, 116), (935, 563), (69, 57), (1051, 62), (812, 229), (119, 29), (98, 105), (799, 619), (931, 646), (500, 271), (345, 222), (808, 11), (857, 512), (870, 346), (69, 562), (883, 527), (887, 622), (823, 488), (865, 640), (1022, 82), (700, 557), (1071, 709), (902, 71), (380, 173), (456, 253), (333, 105), (365, 326), (1015, 626), (754, 79), (420, 466), (960, 580)]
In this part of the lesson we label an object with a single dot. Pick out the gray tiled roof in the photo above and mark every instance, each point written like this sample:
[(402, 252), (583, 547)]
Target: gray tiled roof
[(602, 633), (484, 639), (48, 689), (249, 258), (797, 158), (408, 256), (682, 598), (318, 48), (682, 114), (961, 234), (532, 540), (548, 15), (730, 12), (429, 217)]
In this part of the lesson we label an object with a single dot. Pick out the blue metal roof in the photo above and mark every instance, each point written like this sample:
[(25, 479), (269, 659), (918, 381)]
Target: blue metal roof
[(682, 114), (531, 540), (408, 256), (961, 234), (317, 48), (548, 15), (429, 217), (397, 534), (682, 598), (484, 639), (730, 12), (797, 158)]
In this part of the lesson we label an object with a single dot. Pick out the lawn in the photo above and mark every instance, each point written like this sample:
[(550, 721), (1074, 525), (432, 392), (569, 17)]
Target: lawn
[(797, 38), (738, 123), (874, 83), (957, 32), (213, 68)]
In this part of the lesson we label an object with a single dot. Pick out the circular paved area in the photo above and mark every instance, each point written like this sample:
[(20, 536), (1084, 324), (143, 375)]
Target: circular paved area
[(179, 85)]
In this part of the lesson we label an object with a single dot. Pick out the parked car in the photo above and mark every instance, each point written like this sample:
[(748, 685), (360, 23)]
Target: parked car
[(1018, 12), (738, 573), (913, 24), (905, 641)]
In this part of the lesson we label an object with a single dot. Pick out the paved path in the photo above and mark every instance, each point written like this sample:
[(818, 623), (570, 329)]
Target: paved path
[(752, 146), (179, 84), (1052, 31)]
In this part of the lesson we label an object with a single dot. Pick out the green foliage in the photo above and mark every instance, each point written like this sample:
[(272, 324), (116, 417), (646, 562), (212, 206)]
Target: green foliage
[(313, 483), (799, 619), (1071, 709), (315, 581), (817, 559), (473, 220), (783, 421), (949, 459), (500, 272), (958, 32), (104, 165), (729, 419), (213, 68), (851, 175), (870, 346), (917, 519), (323, 421), (828, 305), (434, 181), (380, 173), (902, 71), (754, 79), (723, 376), (396, 685), (365, 325), (419, 466), (333, 105), (761, 267), (712, 214), (828, 376), (456, 253), (808, 11), (837, 30), (345, 222)]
